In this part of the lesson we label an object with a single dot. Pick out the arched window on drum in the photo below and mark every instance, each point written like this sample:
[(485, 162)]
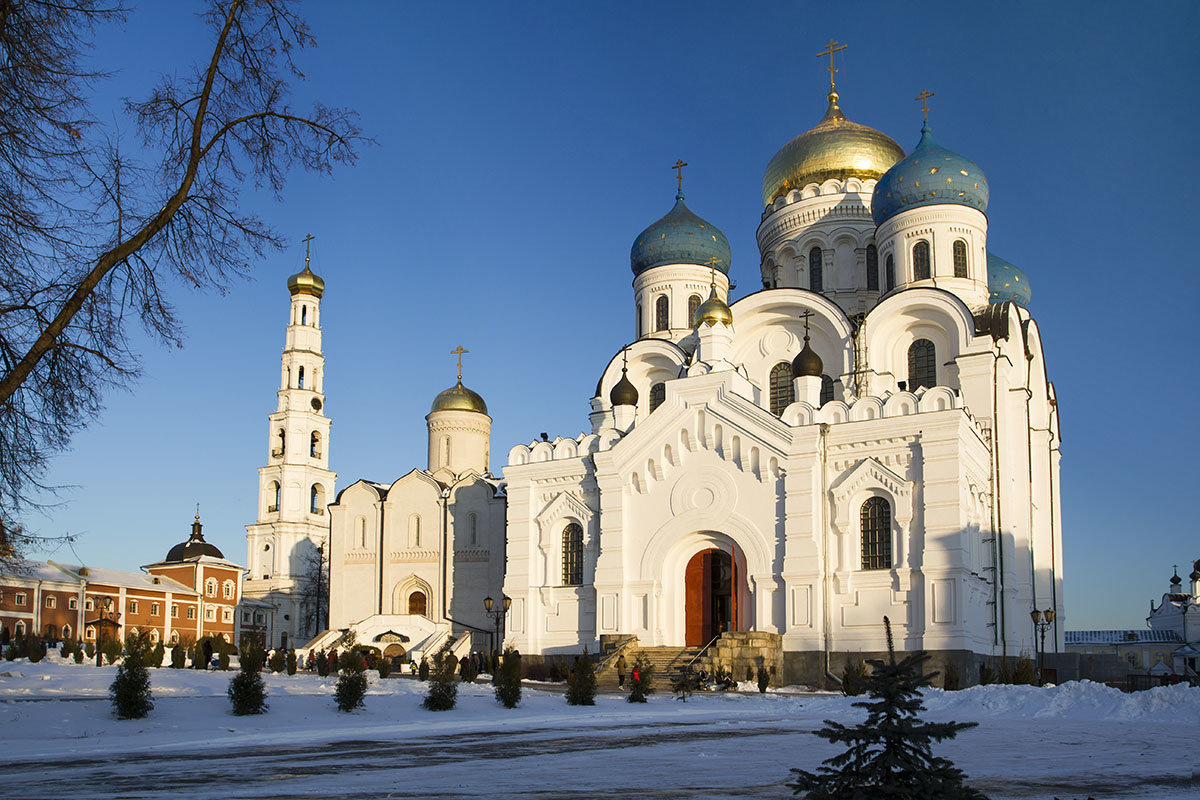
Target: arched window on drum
[(960, 259), (662, 316), (658, 393), (872, 268), (783, 390), (815, 281), (922, 365), (921, 268)]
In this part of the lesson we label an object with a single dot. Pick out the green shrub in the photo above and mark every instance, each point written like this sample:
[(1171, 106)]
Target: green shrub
[(130, 690), (246, 691), (423, 669), (10, 653), (384, 665), (443, 683), (5, 636), (291, 662), (351, 683), (223, 662), (640, 686), (178, 657), (507, 680), (322, 664), (35, 648), (581, 684), (987, 675), (854, 676), (764, 680), (749, 673), (89, 650), (1026, 673), (277, 661), (77, 655), (684, 683), (156, 658), (112, 650), (67, 648)]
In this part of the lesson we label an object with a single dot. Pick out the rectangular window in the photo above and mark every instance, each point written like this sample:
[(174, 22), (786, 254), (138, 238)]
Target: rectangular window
[(154, 609), (227, 616), (133, 606), (174, 610), (191, 612), (89, 604), (20, 598), (245, 616), (210, 614), (51, 601), (72, 603)]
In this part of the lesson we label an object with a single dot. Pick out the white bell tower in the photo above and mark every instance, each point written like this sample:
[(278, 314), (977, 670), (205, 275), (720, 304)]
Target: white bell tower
[(284, 546)]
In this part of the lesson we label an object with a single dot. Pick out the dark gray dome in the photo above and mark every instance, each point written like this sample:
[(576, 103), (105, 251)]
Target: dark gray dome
[(194, 546)]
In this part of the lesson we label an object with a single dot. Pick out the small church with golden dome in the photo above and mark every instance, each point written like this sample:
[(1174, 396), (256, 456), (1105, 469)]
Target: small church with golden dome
[(873, 432)]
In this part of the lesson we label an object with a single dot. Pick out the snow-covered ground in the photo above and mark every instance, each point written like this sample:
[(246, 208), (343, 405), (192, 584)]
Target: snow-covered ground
[(58, 739)]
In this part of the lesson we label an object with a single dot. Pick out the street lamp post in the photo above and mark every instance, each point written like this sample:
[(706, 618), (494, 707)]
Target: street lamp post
[(1042, 620), (497, 616)]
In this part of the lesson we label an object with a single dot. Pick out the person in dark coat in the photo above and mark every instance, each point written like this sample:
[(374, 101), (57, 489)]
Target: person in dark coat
[(207, 653), (621, 665)]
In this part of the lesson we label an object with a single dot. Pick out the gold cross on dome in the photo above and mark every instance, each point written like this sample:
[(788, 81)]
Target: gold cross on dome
[(678, 167), (458, 351), (830, 49), (924, 98), (307, 240)]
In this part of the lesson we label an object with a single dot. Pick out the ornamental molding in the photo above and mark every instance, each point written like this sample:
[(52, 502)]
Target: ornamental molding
[(870, 475), (564, 506), (472, 554), (413, 555), (439, 427)]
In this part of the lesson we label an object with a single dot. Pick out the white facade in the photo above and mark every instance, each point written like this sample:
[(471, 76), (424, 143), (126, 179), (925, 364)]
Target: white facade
[(295, 485)]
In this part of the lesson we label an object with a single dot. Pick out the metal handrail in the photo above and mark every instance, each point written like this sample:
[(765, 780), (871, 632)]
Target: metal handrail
[(704, 649)]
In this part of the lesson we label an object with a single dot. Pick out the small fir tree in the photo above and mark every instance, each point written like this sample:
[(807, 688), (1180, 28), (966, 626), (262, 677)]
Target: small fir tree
[(764, 680), (950, 679), (854, 676), (889, 754), (130, 690), (89, 650), (178, 656), (278, 661), (156, 655), (77, 656), (581, 684), (35, 648), (223, 661), (640, 686), (507, 679), (10, 653), (5, 636), (1026, 673), (684, 683), (351, 683), (247, 692), (384, 666), (322, 665), (66, 648), (443, 682), (112, 650), (291, 662), (423, 670)]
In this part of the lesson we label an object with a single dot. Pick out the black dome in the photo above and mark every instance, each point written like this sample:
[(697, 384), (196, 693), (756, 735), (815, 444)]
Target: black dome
[(195, 546)]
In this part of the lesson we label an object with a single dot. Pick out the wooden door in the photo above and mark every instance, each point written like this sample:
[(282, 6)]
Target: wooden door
[(698, 598)]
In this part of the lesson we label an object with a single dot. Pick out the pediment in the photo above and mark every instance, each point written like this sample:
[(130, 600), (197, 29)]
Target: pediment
[(869, 476), (563, 505)]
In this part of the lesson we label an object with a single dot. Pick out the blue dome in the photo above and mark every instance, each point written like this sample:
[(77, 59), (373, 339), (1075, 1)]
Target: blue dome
[(680, 238), (929, 175), (1007, 283)]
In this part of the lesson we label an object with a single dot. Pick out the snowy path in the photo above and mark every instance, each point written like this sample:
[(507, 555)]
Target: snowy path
[(1031, 743)]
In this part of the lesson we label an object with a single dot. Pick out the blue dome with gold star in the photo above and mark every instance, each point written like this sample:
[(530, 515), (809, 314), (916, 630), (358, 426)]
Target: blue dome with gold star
[(680, 237), (1006, 283), (929, 175)]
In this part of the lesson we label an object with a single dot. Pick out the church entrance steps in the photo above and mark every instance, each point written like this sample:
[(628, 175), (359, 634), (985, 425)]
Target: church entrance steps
[(665, 661)]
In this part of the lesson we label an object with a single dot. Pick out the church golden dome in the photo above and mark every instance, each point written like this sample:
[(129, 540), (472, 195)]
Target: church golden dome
[(835, 148), (714, 310), (458, 398), (306, 282)]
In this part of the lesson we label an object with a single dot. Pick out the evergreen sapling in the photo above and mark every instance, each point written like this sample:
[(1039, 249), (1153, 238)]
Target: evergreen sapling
[(130, 690), (764, 679), (443, 689), (246, 691), (507, 680), (423, 670), (351, 684), (581, 684), (889, 754), (291, 662), (639, 681)]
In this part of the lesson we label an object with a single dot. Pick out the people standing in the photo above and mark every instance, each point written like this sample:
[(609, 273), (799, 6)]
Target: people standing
[(621, 665)]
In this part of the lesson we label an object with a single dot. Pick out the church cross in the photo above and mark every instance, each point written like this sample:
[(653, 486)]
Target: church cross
[(678, 167), (924, 98), (830, 49), (805, 317), (458, 351), (307, 240)]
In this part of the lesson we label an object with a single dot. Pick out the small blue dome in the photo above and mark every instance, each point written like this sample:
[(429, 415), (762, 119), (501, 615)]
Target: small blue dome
[(680, 237), (1007, 283), (929, 175)]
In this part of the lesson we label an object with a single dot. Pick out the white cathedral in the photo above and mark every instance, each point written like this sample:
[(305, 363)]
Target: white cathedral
[(873, 433)]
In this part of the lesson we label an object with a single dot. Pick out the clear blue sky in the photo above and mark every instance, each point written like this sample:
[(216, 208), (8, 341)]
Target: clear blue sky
[(522, 147)]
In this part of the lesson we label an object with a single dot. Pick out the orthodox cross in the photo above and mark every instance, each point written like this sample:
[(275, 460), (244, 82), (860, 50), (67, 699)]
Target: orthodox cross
[(624, 359), (458, 351), (307, 239), (805, 317), (829, 50), (924, 98), (678, 167)]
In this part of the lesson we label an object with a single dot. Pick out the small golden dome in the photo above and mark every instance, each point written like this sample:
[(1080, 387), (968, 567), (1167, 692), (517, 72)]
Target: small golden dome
[(714, 310), (306, 282), (458, 398), (835, 148)]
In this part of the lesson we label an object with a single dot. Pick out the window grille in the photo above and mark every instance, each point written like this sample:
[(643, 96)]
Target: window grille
[(921, 261), (826, 389), (662, 319), (572, 555), (658, 393), (922, 365), (876, 518), (960, 259), (693, 306), (889, 275), (814, 269), (783, 390), (872, 268)]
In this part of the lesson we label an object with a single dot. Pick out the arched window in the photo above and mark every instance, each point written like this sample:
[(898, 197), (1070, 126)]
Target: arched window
[(658, 393), (872, 268), (960, 259), (227, 590), (314, 445), (66, 631), (639, 319), (316, 499), (826, 389), (693, 305), (417, 603), (273, 497), (360, 532), (154, 635), (473, 529), (282, 436), (210, 587), (662, 318), (19, 628), (445, 451), (921, 261), (922, 365), (303, 315), (889, 274), (876, 519), (414, 530), (814, 269), (301, 382), (572, 555), (783, 391)]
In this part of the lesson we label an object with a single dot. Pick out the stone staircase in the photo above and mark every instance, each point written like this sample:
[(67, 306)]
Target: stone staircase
[(666, 662)]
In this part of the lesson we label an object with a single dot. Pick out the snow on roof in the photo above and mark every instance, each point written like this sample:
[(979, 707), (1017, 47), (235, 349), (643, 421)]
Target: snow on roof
[(37, 571), (130, 580), (1121, 637)]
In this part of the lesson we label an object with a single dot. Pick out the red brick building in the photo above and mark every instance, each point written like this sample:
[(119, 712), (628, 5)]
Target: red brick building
[(192, 593)]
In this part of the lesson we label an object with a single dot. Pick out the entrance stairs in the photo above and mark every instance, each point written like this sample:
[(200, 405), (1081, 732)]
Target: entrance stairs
[(666, 663)]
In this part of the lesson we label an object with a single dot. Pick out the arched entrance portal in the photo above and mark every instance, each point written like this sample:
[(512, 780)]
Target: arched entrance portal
[(711, 603), (416, 603)]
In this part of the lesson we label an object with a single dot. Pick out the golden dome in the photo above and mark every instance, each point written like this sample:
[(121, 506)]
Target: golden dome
[(714, 310), (835, 148), (306, 282), (458, 398)]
